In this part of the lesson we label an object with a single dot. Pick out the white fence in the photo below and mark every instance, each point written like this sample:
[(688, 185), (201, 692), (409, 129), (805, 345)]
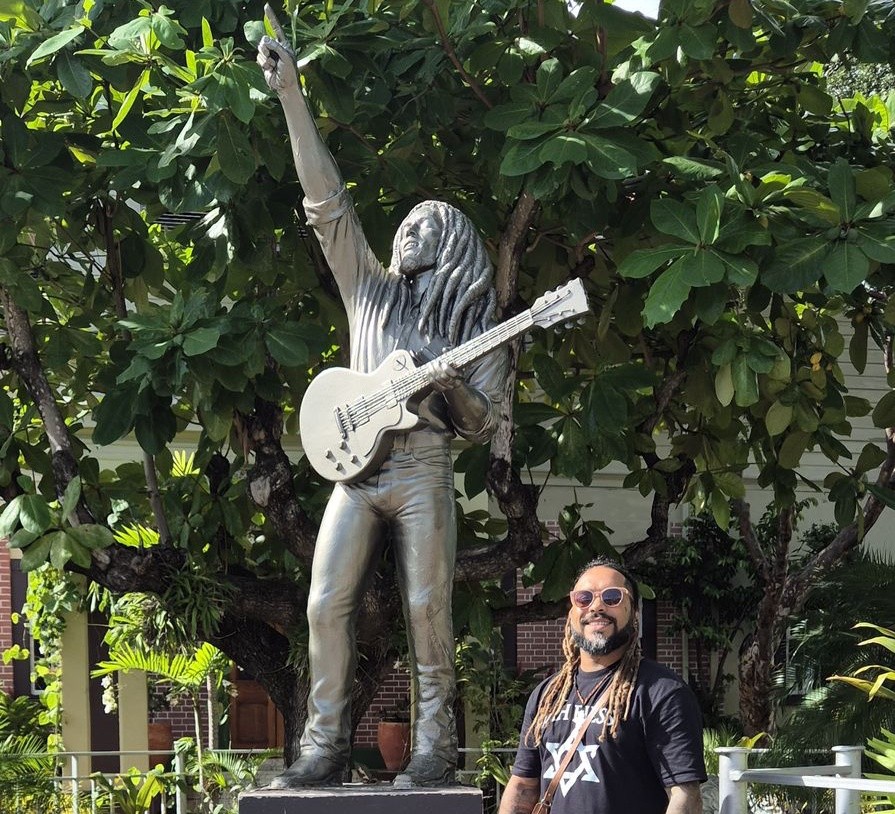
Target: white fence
[(843, 776)]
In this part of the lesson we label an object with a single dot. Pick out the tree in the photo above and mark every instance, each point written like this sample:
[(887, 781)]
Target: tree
[(728, 221)]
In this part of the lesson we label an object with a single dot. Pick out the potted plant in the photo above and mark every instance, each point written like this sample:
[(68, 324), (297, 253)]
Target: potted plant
[(393, 736)]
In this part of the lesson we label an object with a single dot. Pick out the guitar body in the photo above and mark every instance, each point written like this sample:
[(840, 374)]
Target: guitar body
[(347, 419), (344, 437)]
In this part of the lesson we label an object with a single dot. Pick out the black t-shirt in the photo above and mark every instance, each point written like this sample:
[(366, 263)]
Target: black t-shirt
[(660, 745)]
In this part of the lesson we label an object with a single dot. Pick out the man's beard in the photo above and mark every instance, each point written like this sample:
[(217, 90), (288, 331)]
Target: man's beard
[(603, 645)]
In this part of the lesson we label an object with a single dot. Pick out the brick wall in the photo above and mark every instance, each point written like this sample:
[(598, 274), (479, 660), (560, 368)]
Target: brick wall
[(180, 716), (394, 692), (5, 615)]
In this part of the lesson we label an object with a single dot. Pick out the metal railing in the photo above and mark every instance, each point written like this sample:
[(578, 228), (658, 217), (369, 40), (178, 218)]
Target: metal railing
[(843, 777), (85, 794)]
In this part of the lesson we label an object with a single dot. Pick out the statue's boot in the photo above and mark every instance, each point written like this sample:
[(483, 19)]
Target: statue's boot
[(427, 770), (311, 770)]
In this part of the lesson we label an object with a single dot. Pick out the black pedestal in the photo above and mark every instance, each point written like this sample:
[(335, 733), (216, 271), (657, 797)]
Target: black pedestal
[(377, 798)]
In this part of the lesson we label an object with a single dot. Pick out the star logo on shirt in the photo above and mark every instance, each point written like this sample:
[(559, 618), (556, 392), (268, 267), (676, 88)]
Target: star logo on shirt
[(583, 771)]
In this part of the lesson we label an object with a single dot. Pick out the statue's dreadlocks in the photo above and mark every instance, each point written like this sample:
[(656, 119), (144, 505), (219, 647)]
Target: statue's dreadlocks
[(618, 702), (459, 302)]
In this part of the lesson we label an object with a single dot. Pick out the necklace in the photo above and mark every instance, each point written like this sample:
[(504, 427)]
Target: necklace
[(598, 688)]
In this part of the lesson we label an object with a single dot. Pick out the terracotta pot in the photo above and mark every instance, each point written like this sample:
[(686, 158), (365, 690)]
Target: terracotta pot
[(161, 737), (393, 739)]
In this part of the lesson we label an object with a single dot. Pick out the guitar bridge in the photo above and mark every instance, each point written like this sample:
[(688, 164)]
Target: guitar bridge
[(340, 422)]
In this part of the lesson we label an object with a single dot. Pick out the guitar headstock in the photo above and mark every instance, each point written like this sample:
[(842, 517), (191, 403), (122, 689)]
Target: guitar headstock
[(563, 303)]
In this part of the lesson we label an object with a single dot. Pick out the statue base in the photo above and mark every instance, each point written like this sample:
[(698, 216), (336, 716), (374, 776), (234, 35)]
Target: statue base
[(376, 798)]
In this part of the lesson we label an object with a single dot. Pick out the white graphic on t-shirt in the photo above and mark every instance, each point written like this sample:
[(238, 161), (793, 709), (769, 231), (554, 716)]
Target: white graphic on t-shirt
[(584, 770)]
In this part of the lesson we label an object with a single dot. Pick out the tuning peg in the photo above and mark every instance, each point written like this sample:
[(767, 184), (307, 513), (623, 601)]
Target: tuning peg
[(582, 320)]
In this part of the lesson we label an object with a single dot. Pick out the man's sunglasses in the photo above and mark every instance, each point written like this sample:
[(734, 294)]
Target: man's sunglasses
[(610, 597)]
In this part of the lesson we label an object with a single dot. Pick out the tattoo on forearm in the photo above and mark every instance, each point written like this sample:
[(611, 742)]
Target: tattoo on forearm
[(521, 801)]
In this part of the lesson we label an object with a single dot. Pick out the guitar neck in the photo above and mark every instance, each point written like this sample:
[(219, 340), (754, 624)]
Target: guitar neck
[(465, 354)]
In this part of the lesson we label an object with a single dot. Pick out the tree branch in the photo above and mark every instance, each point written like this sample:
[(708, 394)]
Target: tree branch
[(26, 364), (747, 532), (452, 55), (270, 478)]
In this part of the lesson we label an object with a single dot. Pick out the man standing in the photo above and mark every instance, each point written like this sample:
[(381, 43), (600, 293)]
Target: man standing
[(641, 750), (437, 292)]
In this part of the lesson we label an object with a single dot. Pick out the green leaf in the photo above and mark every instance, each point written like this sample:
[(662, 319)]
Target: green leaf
[(708, 213), (70, 497), (724, 388), (745, 382), (572, 452), (155, 430), (129, 100), (792, 448), (694, 169), (61, 549), (797, 265), (200, 340), (721, 114), (36, 554), (643, 262), (564, 148), (34, 514), (73, 75), (700, 268), (884, 413), (529, 413), (857, 346), (846, 267), (871, 457), (741, 271), (675, 218), (841, 183), (666, 296), (286, 344), (22, 538), (235, 153), (815, 202), (877, 247), (9, 520), (503, 117), (521, 158), (548, 78), (625, 102), (699, 42), (529, 130), (778, 418), (91, 535), (114, 416), (54, 43), (608, 158), (551, 377)]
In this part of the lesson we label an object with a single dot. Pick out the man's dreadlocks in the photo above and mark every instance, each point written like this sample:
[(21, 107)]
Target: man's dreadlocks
[(618, 703)]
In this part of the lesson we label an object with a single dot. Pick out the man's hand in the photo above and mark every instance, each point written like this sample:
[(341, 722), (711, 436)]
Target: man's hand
[(278, 65), (684, 799)]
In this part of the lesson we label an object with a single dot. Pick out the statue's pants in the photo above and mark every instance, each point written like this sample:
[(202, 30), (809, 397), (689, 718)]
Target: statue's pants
[(412, 495)]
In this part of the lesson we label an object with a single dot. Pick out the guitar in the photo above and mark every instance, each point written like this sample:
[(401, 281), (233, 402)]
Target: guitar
[(347, 419)]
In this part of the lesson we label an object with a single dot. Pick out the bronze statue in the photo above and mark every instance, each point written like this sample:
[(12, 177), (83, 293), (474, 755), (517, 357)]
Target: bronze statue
[(437, 293)]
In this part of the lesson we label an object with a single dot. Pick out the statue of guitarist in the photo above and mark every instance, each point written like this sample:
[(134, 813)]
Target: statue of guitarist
[(437, 292)]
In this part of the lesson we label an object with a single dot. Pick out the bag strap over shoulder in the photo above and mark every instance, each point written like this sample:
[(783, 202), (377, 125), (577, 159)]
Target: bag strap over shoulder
[(547, 800)]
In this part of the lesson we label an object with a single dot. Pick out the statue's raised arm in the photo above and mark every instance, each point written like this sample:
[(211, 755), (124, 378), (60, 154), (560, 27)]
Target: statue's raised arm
[(317, 171)]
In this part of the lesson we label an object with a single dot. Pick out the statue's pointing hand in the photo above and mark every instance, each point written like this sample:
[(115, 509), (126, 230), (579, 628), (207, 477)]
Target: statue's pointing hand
[(278, 64)]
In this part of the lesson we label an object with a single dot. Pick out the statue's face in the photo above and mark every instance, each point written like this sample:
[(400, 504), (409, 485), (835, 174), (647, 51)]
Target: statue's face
[(418, 246)]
